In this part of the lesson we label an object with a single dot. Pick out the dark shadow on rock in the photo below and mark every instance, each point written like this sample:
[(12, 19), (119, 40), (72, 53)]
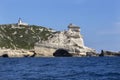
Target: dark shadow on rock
[(5, 55), (33, 54), (26, 55), (62, 53)]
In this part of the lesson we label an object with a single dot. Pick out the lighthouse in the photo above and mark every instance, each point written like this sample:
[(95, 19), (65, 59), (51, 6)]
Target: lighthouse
[(20, 23)]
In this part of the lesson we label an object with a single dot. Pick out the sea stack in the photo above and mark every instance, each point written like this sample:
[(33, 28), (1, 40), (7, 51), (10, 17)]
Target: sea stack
[(64, 43)]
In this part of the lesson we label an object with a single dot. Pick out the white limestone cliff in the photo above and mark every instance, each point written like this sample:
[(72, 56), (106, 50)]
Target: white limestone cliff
[(15, 53), (71, 41)]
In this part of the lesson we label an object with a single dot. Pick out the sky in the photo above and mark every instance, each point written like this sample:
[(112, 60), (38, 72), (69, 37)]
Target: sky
[(99, 20)]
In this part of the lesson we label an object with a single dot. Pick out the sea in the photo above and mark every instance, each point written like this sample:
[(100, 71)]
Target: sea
[(60, 68)]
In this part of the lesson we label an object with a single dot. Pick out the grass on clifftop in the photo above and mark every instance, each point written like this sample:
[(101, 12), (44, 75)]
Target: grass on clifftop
[(22, 37)]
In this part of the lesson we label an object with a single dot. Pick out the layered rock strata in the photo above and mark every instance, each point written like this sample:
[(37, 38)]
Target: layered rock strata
[(16, 53), (71, 41)]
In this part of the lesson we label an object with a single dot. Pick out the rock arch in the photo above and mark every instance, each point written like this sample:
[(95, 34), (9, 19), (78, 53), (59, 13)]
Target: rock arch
[(62, 53)]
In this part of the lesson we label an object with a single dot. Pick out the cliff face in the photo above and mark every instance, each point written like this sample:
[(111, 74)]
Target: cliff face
[(43, 41), (70, 41), (13, 36)]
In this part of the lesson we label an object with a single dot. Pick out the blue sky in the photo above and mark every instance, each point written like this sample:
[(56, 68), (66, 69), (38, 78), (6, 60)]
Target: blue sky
[(99, 19)]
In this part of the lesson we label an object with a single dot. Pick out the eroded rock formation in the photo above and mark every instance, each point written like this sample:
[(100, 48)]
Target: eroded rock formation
[(71, 41)]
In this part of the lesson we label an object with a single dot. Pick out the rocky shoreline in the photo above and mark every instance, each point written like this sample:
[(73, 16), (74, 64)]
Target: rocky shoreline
[(31, 53), (16, 53), (109, 53), (17, 40)]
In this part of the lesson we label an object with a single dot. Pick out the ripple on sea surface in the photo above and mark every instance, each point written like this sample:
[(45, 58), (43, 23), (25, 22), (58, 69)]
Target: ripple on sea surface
[(63, 68)]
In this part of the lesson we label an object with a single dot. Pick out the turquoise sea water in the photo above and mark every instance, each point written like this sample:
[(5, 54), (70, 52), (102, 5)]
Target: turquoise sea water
[(60, 68)]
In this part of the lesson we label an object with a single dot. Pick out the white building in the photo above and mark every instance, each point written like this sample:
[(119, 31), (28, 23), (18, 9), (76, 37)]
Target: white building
[(22, 23), (73, 28)]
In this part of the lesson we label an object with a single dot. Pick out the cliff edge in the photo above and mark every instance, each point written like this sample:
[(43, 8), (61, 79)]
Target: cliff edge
[(64, 43)]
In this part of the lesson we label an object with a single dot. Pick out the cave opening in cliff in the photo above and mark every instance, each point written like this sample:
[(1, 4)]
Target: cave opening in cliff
[(62, 53)]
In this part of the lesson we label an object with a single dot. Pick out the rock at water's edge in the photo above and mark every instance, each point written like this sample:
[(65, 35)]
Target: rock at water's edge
[(109, 53)]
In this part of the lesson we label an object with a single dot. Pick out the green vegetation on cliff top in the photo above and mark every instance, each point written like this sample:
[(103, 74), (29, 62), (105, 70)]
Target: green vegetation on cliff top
[(22, 37)]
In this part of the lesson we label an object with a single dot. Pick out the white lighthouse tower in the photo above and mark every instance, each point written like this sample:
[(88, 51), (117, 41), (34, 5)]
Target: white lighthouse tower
[(20, 23)]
